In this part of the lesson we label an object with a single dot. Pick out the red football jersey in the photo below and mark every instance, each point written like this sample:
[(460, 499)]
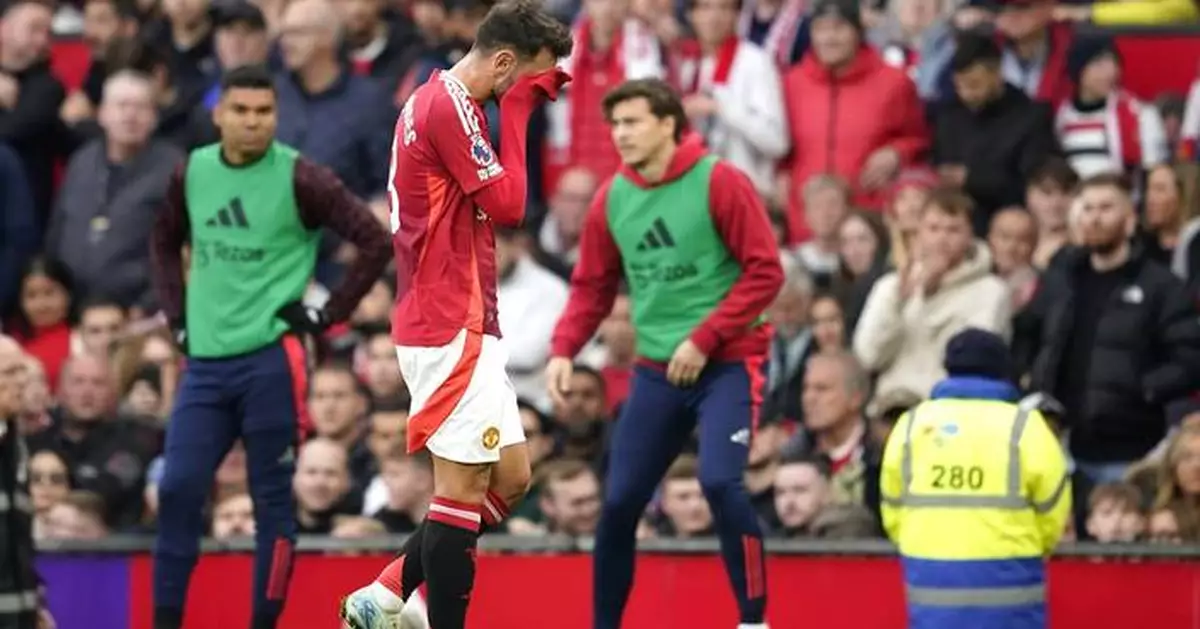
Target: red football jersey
[(445, 245)]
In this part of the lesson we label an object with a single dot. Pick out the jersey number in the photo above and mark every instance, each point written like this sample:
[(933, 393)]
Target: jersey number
[(957, 477)]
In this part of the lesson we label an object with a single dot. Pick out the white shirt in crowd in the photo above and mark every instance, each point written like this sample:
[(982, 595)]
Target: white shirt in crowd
[(750, 127), (531, 300)]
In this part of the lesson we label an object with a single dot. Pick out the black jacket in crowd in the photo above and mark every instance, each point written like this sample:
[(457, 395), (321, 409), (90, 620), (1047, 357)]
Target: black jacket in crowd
[(110, 460), (1146, 354), (1000, 145), (20, 594), (27, 126)]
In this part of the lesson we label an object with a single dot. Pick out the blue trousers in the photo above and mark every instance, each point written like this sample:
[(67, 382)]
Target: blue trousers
[(254, 397), (655, 424)]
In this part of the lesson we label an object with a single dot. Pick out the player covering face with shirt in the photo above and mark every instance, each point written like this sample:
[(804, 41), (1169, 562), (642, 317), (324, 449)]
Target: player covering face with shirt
[(448, 188)]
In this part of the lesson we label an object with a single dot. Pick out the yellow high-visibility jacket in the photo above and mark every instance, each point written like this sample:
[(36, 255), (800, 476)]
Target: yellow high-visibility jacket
[(1144, 12), (975, 495)]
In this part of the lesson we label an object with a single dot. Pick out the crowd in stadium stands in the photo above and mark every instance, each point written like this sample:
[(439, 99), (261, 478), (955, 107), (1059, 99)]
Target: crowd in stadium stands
[(921, 159)]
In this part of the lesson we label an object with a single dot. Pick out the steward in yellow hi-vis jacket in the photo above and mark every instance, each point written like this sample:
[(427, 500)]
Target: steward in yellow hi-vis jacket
[(975, 495)]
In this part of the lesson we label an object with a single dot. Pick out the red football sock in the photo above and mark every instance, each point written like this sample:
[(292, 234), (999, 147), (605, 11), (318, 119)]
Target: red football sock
[(494, 509), (390, 577)]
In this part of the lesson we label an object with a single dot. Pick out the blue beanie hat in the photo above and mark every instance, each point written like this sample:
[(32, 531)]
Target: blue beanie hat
[(975, 352)]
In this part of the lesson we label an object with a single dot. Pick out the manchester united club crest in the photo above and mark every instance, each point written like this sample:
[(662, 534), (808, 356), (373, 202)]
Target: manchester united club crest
[(491, 438)]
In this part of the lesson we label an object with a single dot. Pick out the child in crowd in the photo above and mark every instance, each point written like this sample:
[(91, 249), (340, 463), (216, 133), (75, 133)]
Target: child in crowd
[(1115, 513)]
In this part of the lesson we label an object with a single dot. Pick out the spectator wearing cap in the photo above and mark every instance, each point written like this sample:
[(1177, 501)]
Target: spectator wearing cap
[(731, 92), (844, 80), (30, 96), (104, 22), (975, 495), (19, 236), (948, 286), (239, 39), (1120, 340), (112, 190), (530, 299), (185, 32), (990, 136), (1103, 128)]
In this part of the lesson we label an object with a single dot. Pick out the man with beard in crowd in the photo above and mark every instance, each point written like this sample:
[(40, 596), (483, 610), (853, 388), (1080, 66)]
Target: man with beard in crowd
[(1120, 338)]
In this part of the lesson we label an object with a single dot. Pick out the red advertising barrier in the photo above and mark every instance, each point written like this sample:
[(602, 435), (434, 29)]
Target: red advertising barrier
[(688, 592)]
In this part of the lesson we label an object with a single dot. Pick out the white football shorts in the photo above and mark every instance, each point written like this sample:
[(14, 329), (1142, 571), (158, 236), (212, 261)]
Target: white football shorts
[(464, 407)]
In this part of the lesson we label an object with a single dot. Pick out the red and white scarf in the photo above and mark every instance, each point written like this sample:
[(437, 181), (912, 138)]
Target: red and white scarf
[(638, 56), (781, 35), (688, 66)]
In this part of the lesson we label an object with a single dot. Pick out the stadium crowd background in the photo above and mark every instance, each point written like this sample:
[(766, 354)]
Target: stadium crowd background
[(845, 159)]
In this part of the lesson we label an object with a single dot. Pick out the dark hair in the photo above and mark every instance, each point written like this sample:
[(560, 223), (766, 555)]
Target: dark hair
[(1170, 104), (588, 371), (138, 56), (544, 424), (371, 329), (525, 28), (819, 461), (973, 49), (392, 404), (1054, 171), (1107, 180), (125, 9), (58, 273), (251, 77), (663, 100), (59, 454)]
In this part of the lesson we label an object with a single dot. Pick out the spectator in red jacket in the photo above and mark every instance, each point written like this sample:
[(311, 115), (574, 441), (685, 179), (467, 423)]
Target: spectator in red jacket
[(850, 114)]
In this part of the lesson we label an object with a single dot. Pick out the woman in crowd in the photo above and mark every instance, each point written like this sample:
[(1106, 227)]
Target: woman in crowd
[(828, 323), (49, 483), (1179, 482), (42, 321), (1170, 199), (862, 259)]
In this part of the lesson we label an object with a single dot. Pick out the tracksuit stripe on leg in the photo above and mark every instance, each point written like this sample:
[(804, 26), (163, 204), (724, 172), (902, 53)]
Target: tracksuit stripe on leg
[(297, 361), (725, 403)]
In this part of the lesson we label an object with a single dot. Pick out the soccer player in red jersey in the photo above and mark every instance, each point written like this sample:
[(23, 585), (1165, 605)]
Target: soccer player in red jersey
[(448, 186)]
